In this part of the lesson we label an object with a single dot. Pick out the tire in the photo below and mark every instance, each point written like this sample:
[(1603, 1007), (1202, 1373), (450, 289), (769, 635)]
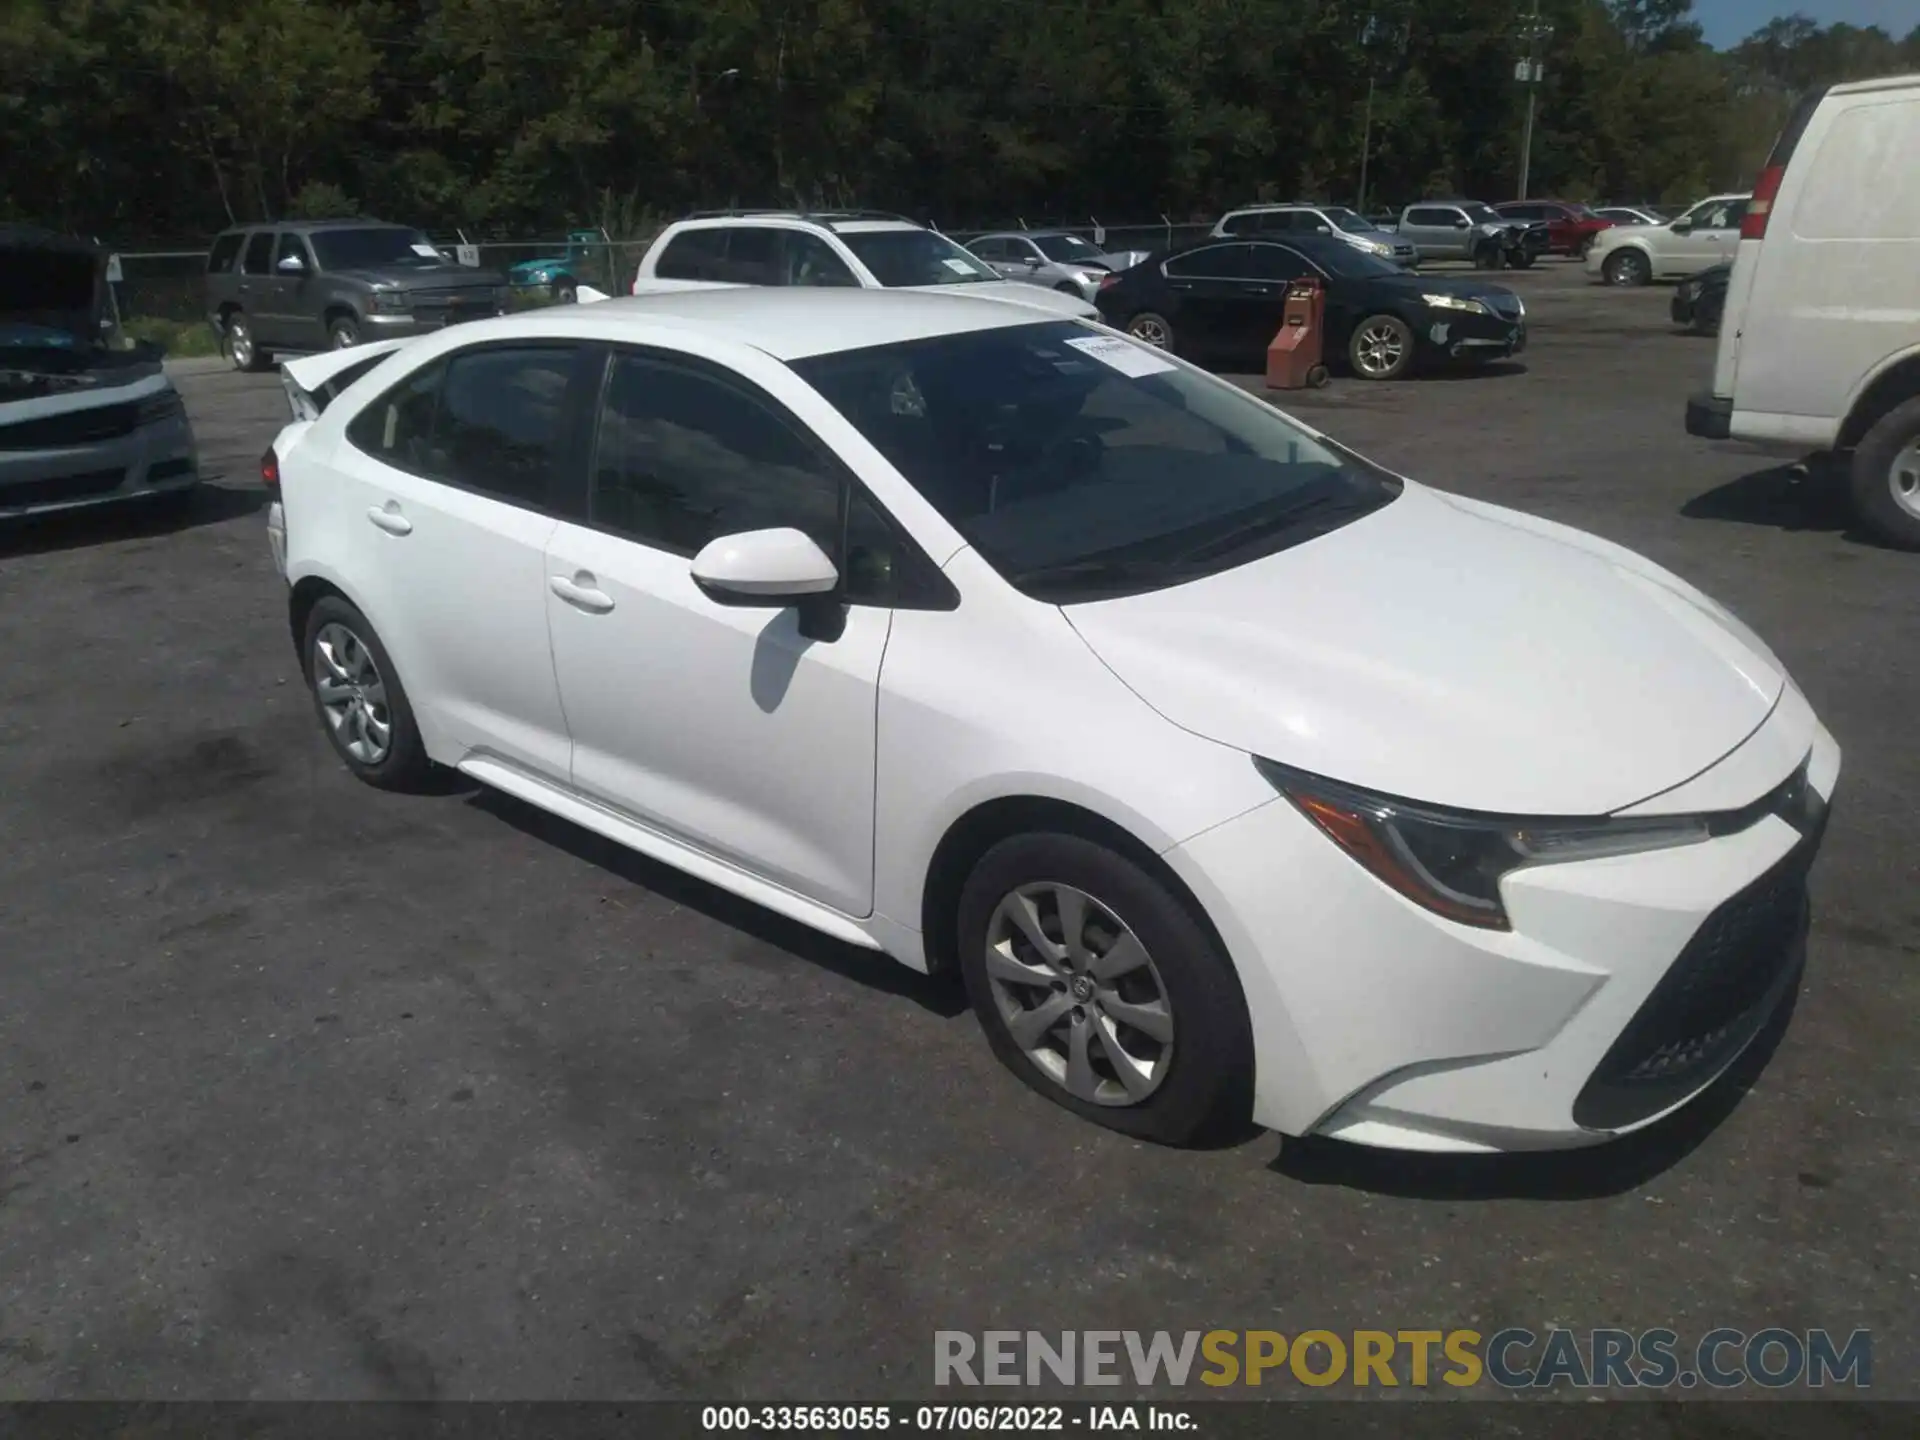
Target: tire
[(1381, 348), (242, 353), (1522, 259), (1627, 267), (341, 649), (1886, 477), (1149, 324), (1489, 257), (565, 291), (1195, 1082), (343, 332)]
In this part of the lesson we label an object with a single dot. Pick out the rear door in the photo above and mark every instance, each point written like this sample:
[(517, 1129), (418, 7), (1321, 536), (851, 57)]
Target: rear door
[(454, 480), (1217, 296), (255, 289)]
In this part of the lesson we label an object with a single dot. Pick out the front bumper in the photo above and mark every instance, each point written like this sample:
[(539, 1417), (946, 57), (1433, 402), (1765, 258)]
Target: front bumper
[(151, 460), (1626, 986), (1710, 416), (1481, 337)]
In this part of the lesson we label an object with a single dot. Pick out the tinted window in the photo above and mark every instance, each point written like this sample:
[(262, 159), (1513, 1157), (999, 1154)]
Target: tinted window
[(500, 420), (1723, 216), (1524, 212), (915, 257), (1482, 214), (811, 261), (1276, 262), (1069, 248), (1213, 261), (684, 456), (386, 245), (1431, 216), (1075, 479), (753, 255), (1347, 219), (692, 255), (398, 427), (293, 245), (259, 257), (989, 250), (225, 251)]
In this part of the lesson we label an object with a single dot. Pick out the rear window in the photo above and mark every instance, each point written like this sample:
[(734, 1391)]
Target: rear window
[(225, 251), (1859, 182)]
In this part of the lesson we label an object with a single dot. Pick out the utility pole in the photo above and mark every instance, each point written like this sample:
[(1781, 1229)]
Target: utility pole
[(1528, 73), (1366, 147), (1370, 36)]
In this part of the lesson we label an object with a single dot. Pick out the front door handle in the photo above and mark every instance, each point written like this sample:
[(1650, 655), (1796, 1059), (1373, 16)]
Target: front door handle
[(389, 519), (580, 593)]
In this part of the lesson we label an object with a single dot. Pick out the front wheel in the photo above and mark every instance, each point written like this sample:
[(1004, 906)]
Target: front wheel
[(1102, 991), (1381, 348), (360, 700), (1489, 257), (1627, 267), (343, 333), (1886, 477), (1152, 329), (1521, 260), (565, 292)]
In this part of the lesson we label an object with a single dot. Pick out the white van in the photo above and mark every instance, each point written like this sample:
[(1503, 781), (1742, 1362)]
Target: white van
[(1820, 342)]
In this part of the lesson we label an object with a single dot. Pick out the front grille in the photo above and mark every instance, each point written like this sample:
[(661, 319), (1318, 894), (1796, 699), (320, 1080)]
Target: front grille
[(1715, 998), (466, 297), (72, 427), (61, 488)]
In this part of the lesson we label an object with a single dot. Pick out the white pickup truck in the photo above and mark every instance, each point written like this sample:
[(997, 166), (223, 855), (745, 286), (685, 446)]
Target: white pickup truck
[(862, 248)]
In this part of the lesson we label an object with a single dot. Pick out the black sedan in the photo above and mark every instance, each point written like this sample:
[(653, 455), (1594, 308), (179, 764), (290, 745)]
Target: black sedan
[(1699, 299), (1221, 302)]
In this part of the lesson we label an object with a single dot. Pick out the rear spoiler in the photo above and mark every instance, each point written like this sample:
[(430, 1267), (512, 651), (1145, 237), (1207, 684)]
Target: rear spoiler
[(313, 381)]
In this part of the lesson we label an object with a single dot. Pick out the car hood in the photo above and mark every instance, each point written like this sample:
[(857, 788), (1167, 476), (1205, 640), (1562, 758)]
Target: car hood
[(1465, 287), (50, 292), (1032, 296), (1452, 652), (424, 277)]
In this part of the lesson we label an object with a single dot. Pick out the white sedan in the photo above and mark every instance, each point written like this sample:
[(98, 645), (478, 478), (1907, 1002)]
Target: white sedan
[(1237, 775)]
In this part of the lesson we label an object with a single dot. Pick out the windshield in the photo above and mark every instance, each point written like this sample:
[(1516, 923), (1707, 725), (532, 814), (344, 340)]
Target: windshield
[(1082, 465), (1066, 247), (915, 257), (1353, 224), (384, 245), (1582, 212), (1482, 215)]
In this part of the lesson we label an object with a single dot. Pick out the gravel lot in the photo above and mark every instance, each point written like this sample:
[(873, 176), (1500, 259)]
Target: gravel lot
[(310, 1091)]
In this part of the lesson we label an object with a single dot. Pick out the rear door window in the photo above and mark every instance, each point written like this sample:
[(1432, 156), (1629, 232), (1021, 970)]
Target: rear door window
[(259, 256), (500, 422), (1214, 262), (1432, 215), (753, 255)]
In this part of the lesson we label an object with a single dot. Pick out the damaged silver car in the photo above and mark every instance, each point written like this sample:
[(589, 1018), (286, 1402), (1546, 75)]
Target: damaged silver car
[(81, 422)]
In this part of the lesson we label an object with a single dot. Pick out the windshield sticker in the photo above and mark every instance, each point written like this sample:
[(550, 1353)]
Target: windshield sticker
[(959, 267), (426, 252), (1122, 355)]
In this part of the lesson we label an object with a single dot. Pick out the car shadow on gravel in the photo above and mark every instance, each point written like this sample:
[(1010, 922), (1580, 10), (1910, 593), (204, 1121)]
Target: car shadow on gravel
[(940, 994), (1595, 1173), (139, 519)]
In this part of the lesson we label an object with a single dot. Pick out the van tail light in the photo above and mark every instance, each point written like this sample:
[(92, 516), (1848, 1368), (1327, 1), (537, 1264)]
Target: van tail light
[(1754, 225), (270, 472)]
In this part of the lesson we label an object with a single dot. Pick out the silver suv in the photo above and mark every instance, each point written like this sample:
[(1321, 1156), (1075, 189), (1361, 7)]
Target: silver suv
[(1469, 230), (1273, 222)]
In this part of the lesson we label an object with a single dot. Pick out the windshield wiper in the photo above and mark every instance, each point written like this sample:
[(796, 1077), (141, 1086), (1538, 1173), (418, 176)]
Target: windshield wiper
[(1094, 574), (1274, 522)]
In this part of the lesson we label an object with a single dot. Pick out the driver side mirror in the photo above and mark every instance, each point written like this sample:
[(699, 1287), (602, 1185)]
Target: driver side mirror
[(1682, 226), (1461, 222), (291, 265), (1033, 262), (768, 569)]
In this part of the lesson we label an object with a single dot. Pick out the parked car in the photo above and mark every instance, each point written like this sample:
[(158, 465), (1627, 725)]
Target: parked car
[(82, 422), (559, 275), (1570, 226), (1469, 230), (1056, 259), (1221, 301), (759, 584), (864, 249), (1637, 254), (1631, 215), (1820, 349), (1699, 299), (1278, 222), (308, 285)]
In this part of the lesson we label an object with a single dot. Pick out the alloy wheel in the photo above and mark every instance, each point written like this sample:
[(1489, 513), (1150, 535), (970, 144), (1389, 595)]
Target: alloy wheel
[(352, 694), (240, 343), (1903, 479), (1079, 994), (1379, 348), (1151, 330)]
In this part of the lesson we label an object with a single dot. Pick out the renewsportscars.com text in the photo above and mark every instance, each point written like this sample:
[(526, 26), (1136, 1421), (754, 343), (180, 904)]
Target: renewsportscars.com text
[(1511, 1359)]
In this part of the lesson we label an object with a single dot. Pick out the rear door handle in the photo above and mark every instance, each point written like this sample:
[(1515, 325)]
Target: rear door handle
[(389, 519), (1180, 285), (580, 593)]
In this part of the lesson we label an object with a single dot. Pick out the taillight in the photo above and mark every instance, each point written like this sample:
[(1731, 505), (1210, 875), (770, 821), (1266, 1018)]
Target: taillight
[(1109, 279), (270, 471), (1754, 225)]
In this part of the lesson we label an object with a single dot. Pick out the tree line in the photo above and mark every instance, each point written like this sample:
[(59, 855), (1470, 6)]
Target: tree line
[(159, 121)]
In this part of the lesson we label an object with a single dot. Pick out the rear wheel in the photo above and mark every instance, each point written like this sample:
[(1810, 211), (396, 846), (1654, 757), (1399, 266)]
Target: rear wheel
[(1102, 991), (242, 352), (1381, 348), (1886, 477), (360, 700), (1152, 329), (1627, 267)]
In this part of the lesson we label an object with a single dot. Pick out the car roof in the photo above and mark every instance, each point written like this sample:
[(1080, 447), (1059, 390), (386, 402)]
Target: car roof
[(776, 220), (1027, 234), (796, 323)]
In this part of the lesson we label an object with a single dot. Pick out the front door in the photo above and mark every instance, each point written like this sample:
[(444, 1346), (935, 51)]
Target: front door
[(296, 308), (729, 729), (453, 479)]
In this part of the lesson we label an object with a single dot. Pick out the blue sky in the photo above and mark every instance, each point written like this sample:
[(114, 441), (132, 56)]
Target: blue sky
[(1728, 22)]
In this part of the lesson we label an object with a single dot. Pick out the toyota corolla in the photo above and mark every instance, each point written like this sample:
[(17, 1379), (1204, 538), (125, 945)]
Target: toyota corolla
[(1237, 775)]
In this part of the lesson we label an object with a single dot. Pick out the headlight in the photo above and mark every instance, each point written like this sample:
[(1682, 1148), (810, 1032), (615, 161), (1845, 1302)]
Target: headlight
[(1379, 247), (1452, 862), (391, 301), (1454, 302), (540, 277)]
